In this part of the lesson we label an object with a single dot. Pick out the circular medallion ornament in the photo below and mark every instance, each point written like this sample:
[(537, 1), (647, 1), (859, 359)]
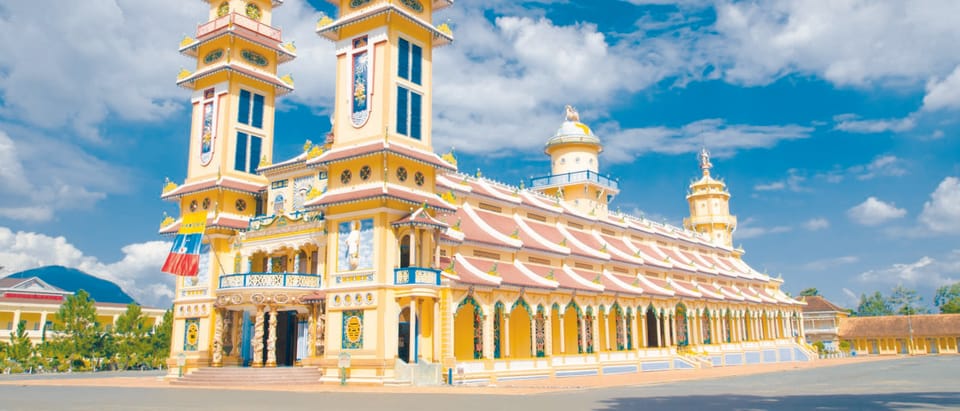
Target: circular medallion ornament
[(193, 334), (357, 3), (365, 173), (206, 203), (345, 176), (253, 58), (213, 56), (223, 9), (240, 205), (194, 205), (253, 11), (402, 174), (419, 178)]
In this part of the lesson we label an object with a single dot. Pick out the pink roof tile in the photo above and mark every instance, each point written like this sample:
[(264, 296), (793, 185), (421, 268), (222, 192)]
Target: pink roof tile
[(470, 229), (469, 274), (377, 147), (619, 284), (570, 279), (685, 289), (392, 191)]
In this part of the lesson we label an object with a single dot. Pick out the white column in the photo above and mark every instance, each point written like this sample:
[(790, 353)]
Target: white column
[(413, 248), (506, 336), (606, 331), (642, 323), (547, 335), (658, 323), (412, 354), (436, 330), (258, 339), (296, 262)]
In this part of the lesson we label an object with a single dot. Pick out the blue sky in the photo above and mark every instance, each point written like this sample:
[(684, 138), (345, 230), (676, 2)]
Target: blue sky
[(833, 123)]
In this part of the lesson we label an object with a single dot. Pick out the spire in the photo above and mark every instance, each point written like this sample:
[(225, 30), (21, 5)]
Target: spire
[(705, 164)]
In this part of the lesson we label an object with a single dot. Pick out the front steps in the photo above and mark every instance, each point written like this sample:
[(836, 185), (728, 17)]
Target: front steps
[(233, 376)]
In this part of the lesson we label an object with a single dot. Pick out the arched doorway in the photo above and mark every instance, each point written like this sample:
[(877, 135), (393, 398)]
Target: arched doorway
[(652, 328), (403, 337), (405, 251), (555, 329), (468, 330), (520, 338), (573, 340)]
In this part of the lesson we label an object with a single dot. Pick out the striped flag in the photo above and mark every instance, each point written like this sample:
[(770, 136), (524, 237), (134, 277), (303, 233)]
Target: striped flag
[(184, 257)]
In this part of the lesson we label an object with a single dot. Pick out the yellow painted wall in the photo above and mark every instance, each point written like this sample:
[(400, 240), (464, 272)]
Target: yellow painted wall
[(570, 329), (574, 157), (520, 338), (555, 331), (463, 333)]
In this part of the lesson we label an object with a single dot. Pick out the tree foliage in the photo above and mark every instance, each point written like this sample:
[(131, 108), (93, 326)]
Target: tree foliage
[(78, 328), (905, 301), (810, 292), (947, 299), (20, 348), (873, 305)]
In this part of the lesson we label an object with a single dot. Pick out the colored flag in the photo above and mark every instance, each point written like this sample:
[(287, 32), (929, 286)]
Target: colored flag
[(184, 257)]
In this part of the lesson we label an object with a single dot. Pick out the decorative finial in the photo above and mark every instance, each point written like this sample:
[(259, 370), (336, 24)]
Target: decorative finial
[(705, 164), (572, 114), (307, 145), (479, 174)]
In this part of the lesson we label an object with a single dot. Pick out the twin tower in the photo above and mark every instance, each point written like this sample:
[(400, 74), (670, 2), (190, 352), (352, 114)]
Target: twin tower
[(383, 93)]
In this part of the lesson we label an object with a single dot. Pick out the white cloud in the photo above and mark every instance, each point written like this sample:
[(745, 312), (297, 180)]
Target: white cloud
[(881, 166), (855, 125), (63, 178), (747, 229), (137, 273), (724, 140), (816, 224), (943, 94), (874, 212), (845, 42), (74, 64), (820, 265), (942, 213), (792, 182), (926, 272)]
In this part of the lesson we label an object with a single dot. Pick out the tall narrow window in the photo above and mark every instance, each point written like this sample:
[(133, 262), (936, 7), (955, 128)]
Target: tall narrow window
[(247, 157), (409, 108), (410, 63), (250, 110)]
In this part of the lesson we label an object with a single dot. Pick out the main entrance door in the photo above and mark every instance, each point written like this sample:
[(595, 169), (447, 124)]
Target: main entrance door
[(403, 337)]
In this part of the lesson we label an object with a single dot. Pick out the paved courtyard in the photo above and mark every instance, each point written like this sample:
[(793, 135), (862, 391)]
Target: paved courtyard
[(896, 384)]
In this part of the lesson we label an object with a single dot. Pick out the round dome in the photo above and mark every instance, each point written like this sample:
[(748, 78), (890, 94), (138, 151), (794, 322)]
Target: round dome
[(573, 132)]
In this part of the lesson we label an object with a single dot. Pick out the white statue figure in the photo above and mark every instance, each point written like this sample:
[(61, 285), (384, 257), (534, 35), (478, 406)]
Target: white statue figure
[(572, 114), (705, 164)]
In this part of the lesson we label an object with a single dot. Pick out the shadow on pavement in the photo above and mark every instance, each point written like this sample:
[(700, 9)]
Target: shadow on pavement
[(877, 402)]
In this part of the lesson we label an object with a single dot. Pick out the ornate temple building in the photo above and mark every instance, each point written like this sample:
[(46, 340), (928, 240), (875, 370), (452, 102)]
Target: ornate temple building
[(368, 245)]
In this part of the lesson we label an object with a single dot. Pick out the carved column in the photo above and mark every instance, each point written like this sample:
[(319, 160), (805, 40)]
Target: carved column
[(506, 336), (272, 339), (258, 339), (218, 338), (606, 330), (412, 353), (548, 335), (657, 322)]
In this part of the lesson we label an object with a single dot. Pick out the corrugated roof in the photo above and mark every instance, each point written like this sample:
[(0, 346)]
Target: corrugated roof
[(934, 325)]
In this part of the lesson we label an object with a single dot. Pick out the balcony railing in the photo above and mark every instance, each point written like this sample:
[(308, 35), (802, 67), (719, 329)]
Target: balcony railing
[(575, 177), (416, 276), (270, 280), (241, 21)]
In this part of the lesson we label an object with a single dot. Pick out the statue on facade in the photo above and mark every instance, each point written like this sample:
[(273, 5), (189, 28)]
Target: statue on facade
[(572, 114), (705, 164)]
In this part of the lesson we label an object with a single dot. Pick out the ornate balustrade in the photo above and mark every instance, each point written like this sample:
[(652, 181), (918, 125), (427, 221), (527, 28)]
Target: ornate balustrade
[(575, 177), (416, 276), (241, 21), (269, 280)]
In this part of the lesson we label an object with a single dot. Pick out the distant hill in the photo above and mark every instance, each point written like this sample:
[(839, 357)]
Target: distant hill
[(69, 279)]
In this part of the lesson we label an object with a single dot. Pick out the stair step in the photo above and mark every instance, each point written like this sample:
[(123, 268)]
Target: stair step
[(250, 376)]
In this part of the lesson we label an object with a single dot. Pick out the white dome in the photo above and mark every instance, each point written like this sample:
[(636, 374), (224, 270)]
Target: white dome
[(573, 132)]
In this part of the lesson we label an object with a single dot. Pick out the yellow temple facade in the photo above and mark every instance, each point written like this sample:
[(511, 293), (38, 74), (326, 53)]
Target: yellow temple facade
[(369, 246)]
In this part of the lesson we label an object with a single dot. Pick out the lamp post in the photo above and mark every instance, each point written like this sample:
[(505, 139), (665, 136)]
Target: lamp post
[(181, 361)]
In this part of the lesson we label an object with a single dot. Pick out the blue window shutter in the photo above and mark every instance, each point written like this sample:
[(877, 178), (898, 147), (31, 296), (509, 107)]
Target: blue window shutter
[(402, 95), (257, 120), (240, 159), (243, 114), (417, 61), (254, 153), (403, 65), (415, 115)]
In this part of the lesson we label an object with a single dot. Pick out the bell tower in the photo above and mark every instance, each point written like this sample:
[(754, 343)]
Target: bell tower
[(574, 157), (710, 206), (234, 87)]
